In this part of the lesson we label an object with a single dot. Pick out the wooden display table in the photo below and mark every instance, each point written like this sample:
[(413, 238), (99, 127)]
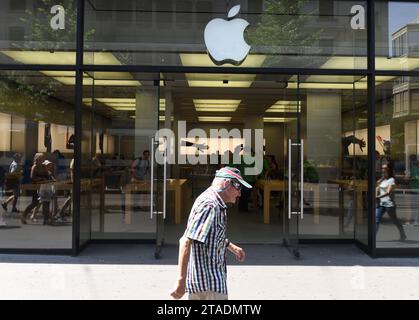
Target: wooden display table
[(175, 185), (281, 185)]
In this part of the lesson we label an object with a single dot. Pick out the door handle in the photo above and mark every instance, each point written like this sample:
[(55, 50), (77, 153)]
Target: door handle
[(302, 179), (301, 212), (289, 179), (152, 180), (164, 178)]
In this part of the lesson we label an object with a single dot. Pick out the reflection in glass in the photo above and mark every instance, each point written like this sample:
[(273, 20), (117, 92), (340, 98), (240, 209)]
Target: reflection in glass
[(334, 129), (39, 32), (397, 163), (294, 34), (118, 126), (37, 122), (397, 29)]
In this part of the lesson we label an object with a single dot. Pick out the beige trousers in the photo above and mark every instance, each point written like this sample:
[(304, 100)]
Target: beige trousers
[(207, 295)]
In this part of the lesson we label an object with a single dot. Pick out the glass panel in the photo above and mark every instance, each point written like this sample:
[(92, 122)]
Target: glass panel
[(160, 191), (322, 34), (38, 32), (357, 200), (335, 155), (292, 171), (90, 185), (120, 117), (237, 103), (397, 23), (397, 214), (164, 179), (37, 121)]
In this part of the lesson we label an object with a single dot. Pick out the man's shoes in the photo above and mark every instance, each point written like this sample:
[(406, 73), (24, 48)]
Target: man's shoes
[(4, 205), (403, 238), (23, 220)]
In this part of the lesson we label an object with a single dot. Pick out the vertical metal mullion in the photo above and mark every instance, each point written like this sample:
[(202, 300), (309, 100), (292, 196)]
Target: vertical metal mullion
[(77, 127), (11, 134), (371, 125), (353, 171)]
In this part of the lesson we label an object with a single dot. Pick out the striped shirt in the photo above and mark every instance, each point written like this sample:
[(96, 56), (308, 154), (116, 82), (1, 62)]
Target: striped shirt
[(207, 269)]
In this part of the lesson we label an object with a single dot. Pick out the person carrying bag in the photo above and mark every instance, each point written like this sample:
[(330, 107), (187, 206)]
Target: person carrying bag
[(46, 192)]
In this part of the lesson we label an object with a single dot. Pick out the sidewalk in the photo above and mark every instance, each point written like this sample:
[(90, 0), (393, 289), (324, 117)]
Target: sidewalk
[(270, 272)]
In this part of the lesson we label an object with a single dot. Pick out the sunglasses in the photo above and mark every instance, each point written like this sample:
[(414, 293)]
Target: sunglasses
[(236, 185)]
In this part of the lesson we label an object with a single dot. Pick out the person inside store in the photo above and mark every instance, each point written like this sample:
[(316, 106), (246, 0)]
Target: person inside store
[(140, 167), (13, 182), (41, 176), (66, 205), (247, 160)]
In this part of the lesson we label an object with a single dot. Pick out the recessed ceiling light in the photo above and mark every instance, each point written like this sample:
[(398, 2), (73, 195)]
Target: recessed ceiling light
[(276, 119), (162, 106), (285, 106), (216, 105), (203, 60), (60, 57), (216, 80), (163, 118), (214, 119)]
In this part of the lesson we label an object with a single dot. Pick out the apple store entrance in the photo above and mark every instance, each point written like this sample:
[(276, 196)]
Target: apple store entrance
[(299, 140), (307, 136), (304, 188)]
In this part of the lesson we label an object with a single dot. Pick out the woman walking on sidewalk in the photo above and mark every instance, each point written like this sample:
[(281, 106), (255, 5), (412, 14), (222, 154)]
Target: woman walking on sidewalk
[(385, 196)]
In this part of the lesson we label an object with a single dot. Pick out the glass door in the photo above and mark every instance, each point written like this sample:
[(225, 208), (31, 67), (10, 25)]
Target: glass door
[(160, 147), (120, 118), (293, 169), (158, 189), (333, 125)]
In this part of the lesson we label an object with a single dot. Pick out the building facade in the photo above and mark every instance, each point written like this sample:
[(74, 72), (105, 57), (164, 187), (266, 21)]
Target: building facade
[(123, 98)]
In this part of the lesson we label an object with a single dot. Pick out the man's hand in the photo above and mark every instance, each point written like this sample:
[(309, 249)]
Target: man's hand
[(237, 251), (179, 290)]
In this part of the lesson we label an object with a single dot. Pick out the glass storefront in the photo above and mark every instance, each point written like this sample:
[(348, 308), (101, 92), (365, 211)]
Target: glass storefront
[(298, 70), (37, 123)]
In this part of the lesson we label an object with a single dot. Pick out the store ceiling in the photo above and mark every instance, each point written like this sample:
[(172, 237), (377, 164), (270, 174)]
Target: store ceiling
[(265, 91)]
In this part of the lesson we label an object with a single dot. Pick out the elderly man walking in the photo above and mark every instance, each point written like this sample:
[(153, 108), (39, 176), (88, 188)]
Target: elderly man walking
[(202, 248)]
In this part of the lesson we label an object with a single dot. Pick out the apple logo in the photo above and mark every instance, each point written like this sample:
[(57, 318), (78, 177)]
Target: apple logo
[(225, 39)]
